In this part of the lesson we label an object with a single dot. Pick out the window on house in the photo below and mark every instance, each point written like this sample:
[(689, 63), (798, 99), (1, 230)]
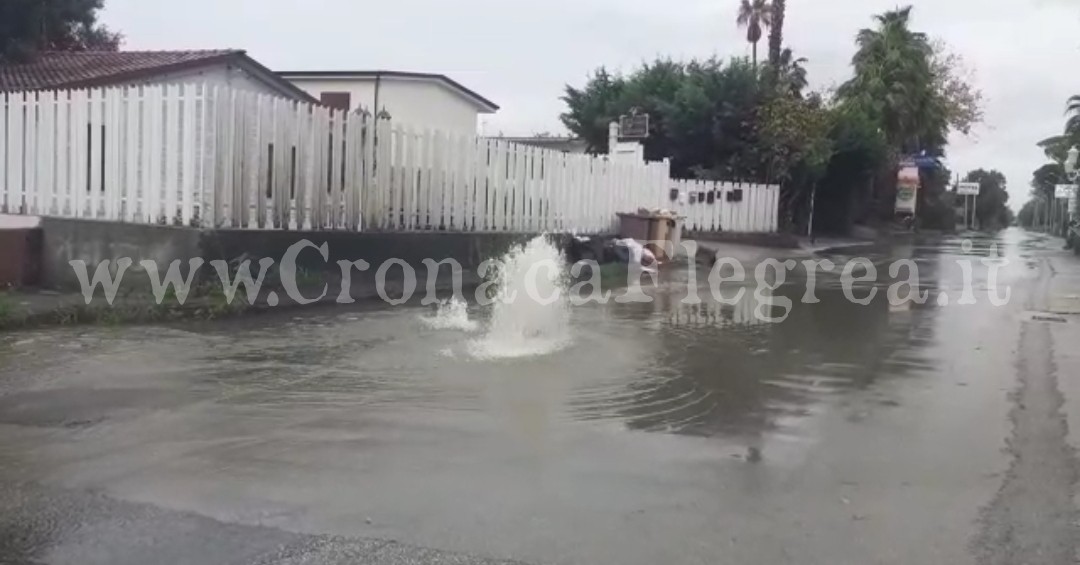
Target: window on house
[(336, 100)]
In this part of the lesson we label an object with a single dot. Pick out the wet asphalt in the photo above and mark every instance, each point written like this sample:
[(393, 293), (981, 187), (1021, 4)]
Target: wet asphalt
[(664, 433)]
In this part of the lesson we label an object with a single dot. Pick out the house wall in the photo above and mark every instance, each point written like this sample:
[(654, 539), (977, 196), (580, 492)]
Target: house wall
[(416, 102), (219, 74)]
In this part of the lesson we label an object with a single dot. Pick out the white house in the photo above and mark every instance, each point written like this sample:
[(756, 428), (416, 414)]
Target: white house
[(64, 70), (420, 99)]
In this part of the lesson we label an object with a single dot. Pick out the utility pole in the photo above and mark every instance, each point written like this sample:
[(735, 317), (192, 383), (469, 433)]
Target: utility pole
[(975, 211)]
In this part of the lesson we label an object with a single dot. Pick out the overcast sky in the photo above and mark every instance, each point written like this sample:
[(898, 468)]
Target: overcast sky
[(521, 54)]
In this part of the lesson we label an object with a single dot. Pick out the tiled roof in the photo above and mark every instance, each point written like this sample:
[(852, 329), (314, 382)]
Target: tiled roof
[(67, 70)]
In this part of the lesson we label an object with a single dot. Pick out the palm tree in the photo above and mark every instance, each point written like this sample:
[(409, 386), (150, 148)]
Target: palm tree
[(893, 77), (1072, 125), (776, 31), (754, 15), (791, 71), (1056, 147)]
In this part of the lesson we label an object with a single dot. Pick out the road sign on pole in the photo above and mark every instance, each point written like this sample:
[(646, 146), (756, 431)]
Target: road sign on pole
[(1064, 190), (967, 189)]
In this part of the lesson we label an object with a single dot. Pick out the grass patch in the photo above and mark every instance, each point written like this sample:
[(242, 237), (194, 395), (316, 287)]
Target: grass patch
[(7, 308)]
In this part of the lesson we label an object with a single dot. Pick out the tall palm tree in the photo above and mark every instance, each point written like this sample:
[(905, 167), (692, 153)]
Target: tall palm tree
[(893, 76), (754, 15), (776, 31)]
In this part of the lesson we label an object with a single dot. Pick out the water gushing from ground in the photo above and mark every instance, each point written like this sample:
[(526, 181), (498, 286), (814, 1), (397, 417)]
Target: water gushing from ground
[(531, 313), (451, 314)]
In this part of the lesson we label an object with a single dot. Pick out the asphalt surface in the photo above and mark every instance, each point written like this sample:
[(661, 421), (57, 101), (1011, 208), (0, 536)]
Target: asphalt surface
[(663, 433)]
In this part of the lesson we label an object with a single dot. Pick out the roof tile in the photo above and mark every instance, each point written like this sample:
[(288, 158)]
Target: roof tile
[(79, 69)]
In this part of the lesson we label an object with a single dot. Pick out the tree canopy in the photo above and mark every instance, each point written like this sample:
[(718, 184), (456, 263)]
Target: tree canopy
[(734, 120), (991, 206), (28, 27), (701, 113)]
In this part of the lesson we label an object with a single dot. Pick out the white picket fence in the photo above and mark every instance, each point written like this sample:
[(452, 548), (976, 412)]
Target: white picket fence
[(710, 206), (214, 157)]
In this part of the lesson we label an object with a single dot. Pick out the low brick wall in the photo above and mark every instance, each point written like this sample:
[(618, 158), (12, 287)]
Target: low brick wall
[(20, 257)]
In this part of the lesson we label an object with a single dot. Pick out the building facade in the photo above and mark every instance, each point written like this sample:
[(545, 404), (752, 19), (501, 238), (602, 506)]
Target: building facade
[(419, 99)]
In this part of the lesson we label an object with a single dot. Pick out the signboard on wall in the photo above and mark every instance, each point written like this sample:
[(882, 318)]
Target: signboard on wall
[(1064, 190), (967, 189), (634, 126), (907, 189)]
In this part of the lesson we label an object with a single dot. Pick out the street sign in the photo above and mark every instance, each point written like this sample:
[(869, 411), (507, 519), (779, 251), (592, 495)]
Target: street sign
[(1064, 190), (967, 189)]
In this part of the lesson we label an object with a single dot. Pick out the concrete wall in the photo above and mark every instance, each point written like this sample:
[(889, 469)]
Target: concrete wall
[(95, 241), (423, 103), (469, 249)]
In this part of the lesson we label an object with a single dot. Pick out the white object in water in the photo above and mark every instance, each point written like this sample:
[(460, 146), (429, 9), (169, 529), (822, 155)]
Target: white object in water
[(452, 314), (639, 254)]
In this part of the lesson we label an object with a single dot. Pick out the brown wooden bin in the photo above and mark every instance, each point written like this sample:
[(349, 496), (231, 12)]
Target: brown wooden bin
[(635, 226), (651, 227)]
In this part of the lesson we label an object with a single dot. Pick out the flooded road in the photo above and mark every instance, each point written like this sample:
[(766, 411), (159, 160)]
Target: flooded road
[(660, 433)]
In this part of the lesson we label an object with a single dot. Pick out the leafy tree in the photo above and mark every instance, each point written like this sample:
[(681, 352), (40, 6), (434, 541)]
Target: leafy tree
[(858, 151), (796, 146), (1046, 178), (991, 206), (754, 15), (30, 26), (702, 114), (776, 32), (794, 133), (1026, 217), (591, 109), (960, 102)]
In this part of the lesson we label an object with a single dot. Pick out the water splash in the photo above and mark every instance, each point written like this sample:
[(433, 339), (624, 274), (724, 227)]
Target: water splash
[(451, 314), (531, 313)]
